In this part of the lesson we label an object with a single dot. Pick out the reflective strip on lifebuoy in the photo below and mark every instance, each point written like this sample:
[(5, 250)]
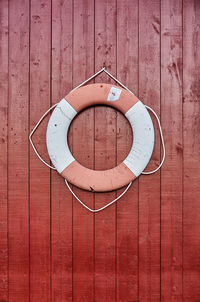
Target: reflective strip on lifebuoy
[(135, 162)]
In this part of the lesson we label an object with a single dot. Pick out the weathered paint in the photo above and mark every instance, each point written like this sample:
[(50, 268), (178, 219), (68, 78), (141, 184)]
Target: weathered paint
[(146, 247)]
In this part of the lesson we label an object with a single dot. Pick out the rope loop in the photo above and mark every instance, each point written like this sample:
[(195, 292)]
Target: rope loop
[(102, 208), (34, 129)]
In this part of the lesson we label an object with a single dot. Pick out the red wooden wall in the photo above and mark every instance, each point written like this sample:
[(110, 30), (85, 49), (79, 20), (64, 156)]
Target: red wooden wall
[(147, 246)]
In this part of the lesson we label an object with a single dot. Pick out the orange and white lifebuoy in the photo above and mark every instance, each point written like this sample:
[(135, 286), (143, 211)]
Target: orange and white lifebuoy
[(135, 162)]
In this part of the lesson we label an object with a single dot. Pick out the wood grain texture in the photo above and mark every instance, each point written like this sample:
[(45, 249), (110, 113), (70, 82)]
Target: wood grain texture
[(127, 207), (105, 155), (191, 139), (61, 198), (3, 150), (83, 139), (147, 246), (40, 28), (171, 181), (18, 146), (149, 185)]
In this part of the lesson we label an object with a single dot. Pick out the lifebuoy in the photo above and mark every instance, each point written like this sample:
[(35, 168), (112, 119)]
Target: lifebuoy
[(135, 162)]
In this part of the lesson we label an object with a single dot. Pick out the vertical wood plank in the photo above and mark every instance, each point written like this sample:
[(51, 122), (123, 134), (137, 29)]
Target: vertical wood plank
[(149, 185), (105, 136), (191, 138), (83, 136), (3, 149), (127, 207), (18, 199), (39, 173), (61, 227), (171, 181), (105, 228)]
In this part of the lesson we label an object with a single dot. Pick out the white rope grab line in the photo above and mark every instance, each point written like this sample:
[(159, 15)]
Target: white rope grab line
[(162, 141), (102, 208), (51, 167), (89, 79), (32, 144), (116, 80)]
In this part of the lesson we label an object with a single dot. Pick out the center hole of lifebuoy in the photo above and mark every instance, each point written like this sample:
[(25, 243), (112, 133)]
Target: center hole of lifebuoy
[(100, 137)]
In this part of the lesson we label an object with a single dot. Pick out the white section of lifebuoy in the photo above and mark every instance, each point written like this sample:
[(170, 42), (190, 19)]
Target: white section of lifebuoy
[(56, 136), (114, 94), (143, 138)]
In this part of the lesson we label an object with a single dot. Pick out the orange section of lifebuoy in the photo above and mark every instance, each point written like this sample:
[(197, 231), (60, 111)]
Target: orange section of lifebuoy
[(99, 181), (94, 94)]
